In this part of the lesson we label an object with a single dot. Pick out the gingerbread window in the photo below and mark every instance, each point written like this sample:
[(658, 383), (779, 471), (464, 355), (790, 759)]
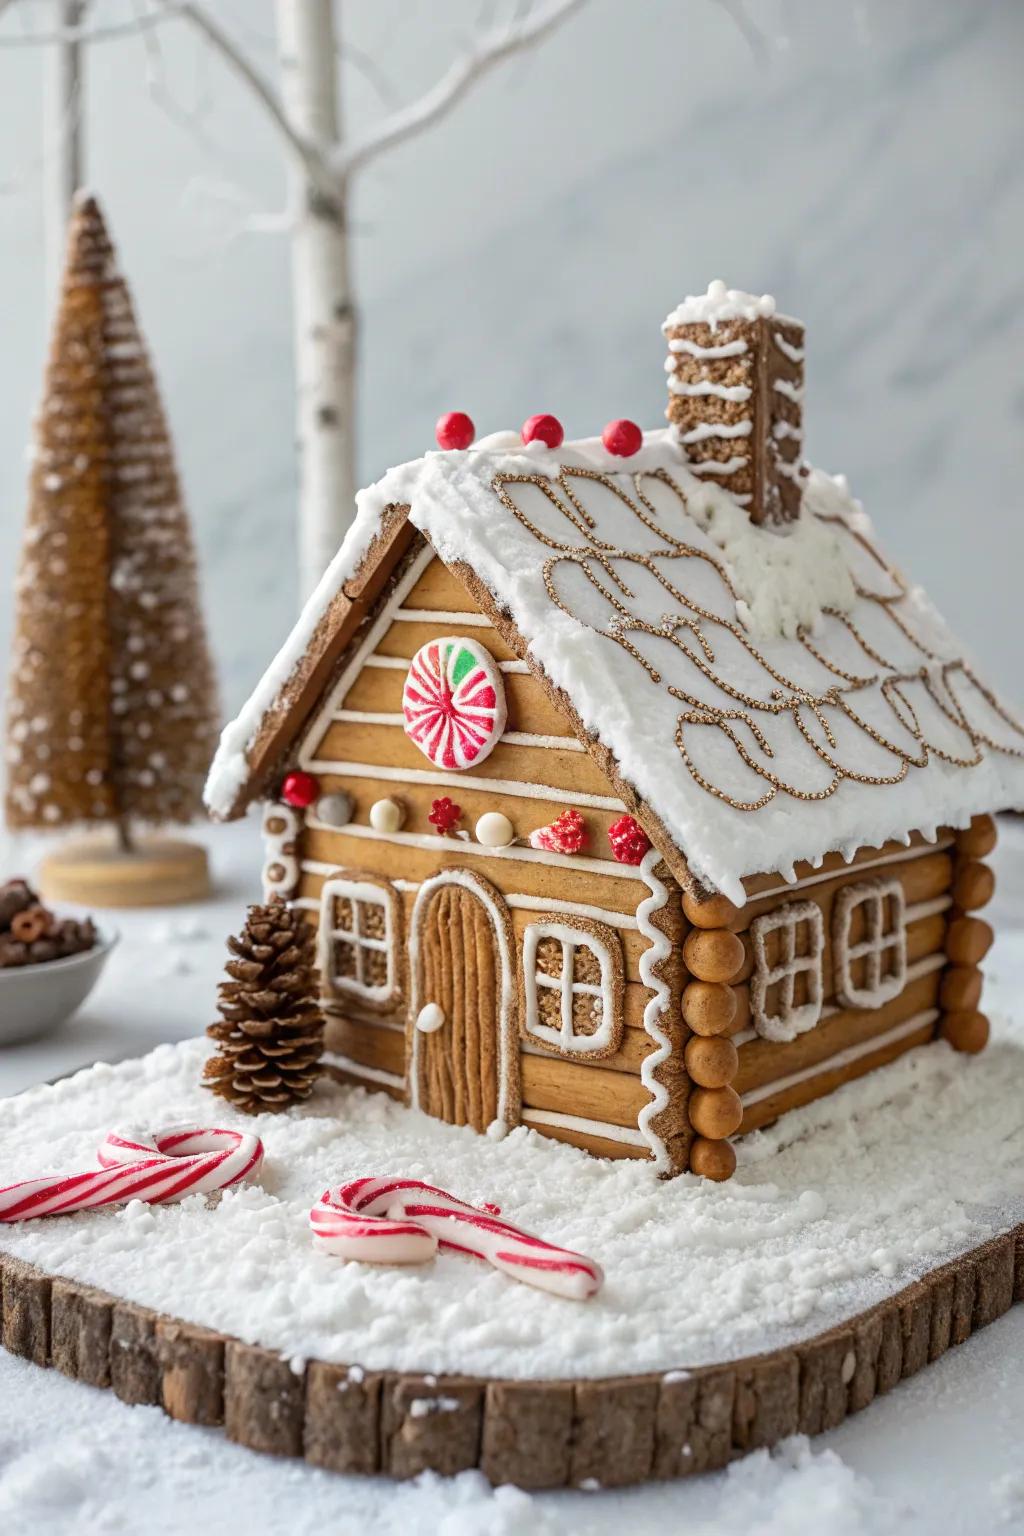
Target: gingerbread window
[(785, 989), (572, 987), (359, 931), (869, 941)]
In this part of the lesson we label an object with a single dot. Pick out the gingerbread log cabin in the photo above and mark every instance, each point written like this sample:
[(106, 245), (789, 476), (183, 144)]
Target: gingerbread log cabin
[(635, 797)]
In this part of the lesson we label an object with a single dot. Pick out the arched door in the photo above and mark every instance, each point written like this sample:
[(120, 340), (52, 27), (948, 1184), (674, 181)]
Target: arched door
[(463, 1050)]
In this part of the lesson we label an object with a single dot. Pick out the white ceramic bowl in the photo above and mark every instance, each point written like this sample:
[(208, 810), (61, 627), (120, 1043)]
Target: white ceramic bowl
[(36, 998)]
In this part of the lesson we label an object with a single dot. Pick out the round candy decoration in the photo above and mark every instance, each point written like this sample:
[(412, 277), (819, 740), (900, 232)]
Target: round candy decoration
[(299, 789), (454, 430), (454, 702)]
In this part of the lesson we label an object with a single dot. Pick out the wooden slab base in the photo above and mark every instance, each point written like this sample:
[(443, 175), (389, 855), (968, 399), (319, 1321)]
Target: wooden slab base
[(536, 1434), (157, 872)]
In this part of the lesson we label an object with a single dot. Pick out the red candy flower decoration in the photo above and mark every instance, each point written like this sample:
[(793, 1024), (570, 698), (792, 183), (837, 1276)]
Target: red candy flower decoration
[(300, 789), (543, 429), (445, 815), (622, 438), (629, 840), (566, 834), (454, 430)]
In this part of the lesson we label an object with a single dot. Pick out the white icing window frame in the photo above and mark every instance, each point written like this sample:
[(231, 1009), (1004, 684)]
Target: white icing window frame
[(606, 946), (877, 896), (794, 1019), (360, 890)]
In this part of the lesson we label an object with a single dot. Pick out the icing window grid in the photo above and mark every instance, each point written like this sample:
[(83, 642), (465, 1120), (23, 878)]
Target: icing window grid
[(870, 943), (357, 950), (785, 990), (570, 980)]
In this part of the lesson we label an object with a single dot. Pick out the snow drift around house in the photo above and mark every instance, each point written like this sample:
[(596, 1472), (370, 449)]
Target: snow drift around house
[(771, 693)]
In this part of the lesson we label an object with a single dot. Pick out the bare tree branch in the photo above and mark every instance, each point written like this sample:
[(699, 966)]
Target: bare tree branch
[(87, 34), (462, 75), (751, 33), (315, 163)]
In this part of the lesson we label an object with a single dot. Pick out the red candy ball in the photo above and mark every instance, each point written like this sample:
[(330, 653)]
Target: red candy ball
[(543, 429), (300, 789), (454, 430), (629, 841), (623, 438)]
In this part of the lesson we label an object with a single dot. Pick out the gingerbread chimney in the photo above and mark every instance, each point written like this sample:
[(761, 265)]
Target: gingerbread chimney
[(736, 382)]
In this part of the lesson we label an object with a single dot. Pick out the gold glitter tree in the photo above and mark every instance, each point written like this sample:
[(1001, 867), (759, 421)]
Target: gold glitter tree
[(112, 707)]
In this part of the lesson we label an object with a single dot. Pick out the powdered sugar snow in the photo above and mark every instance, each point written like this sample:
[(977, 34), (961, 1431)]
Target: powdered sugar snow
[(836, 1207)]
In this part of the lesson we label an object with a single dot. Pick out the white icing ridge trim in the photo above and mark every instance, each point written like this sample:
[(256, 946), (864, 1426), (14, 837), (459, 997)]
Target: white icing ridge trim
[(572, 909), (718, 466), (369, 717), (577, 1123), (442, 616), (841, 1058), (356, 1068), (792, 468), (378, 629), (444, 844), (694, 349), (901, 854), (659, 949), (786, 429), (507, 1043), (737, 393), (928, 908), (445, 780), (794, 392), (403, 663), (532, 739), (706, 429), (795, 354)]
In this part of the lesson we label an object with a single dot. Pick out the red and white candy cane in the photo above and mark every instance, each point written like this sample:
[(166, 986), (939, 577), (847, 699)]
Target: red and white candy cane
[(171, 1163), (404, 1221)]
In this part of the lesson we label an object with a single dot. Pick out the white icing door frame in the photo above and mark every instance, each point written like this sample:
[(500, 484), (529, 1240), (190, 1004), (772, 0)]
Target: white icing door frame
[(508, 1037)]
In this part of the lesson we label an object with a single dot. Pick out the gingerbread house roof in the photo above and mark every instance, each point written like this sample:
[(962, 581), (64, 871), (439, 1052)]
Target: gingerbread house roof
[(762, 694)]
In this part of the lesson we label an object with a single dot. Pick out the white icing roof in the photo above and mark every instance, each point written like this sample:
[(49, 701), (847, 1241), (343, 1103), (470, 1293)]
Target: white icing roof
[(672, 624)]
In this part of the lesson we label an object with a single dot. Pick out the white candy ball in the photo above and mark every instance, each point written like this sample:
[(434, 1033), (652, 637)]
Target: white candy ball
[(335, 810), (387, 815), (495, 830)]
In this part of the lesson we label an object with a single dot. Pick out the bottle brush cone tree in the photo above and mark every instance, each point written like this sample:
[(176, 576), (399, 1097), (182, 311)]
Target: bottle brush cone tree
[(271, 1032), (112, 710)]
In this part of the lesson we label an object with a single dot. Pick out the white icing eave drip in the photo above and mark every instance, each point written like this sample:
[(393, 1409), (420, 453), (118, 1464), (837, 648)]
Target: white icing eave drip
[(659, 950), (795, 354), (719, 304), (694, 349), (735, 392), (792, 392), (706, 429)]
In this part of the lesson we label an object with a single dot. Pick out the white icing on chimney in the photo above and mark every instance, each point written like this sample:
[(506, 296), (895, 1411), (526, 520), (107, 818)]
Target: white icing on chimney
[(718, 304)]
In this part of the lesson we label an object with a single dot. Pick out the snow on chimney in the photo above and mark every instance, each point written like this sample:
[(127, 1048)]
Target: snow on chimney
[(736, 382)]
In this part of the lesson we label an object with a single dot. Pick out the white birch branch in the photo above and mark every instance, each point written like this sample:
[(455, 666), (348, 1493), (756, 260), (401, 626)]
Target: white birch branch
[(461, 76)]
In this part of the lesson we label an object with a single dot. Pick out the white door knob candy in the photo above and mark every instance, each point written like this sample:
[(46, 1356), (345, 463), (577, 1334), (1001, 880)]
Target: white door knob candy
[(494, 830), (430, 1018)]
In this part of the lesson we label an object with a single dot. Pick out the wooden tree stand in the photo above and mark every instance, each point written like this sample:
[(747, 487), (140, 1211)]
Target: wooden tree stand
[(154, 872)]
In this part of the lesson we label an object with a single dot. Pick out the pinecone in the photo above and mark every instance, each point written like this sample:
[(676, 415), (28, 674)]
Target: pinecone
[(272, 1031)]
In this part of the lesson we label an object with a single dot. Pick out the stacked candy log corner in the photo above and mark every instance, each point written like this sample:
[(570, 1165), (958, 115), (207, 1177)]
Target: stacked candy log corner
[(715, 1007), (968, 938)]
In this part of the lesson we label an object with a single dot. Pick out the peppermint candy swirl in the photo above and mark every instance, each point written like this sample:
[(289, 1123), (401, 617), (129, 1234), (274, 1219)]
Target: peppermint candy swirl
[(454, 702)]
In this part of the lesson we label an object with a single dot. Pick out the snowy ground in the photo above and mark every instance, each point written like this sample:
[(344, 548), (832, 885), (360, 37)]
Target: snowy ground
[(940, 1454)]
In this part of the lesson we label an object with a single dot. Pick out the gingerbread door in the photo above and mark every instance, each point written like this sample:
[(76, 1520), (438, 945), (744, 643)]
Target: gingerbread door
[(462, 1042)]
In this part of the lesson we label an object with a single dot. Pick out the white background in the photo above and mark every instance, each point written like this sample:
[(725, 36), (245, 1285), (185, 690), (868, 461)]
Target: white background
[(521, 256)]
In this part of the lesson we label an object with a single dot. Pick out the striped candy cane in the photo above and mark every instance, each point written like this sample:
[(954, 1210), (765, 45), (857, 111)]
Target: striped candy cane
[(167, 1165), (404, 1221)]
